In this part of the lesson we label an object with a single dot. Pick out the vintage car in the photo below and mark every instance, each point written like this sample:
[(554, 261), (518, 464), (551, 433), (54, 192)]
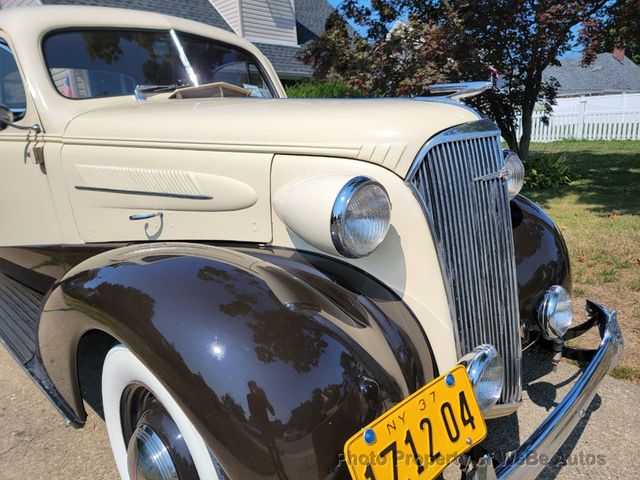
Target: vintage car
[(269, 287)]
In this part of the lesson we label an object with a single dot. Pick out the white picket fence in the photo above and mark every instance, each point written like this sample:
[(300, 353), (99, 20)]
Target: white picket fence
[(610, 124)]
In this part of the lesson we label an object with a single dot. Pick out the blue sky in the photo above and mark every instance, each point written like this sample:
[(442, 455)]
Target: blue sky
[(335, 3), (572, 53), (359, 29)]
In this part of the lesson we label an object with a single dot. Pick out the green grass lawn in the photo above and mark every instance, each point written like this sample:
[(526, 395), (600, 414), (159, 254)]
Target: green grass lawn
[(599, 215)]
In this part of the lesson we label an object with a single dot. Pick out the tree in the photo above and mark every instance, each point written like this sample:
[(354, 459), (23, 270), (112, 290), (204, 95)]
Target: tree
[(411, 44), (622, 29)]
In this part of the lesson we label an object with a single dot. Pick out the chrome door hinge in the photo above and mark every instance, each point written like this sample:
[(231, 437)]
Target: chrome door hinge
[(38, 154)]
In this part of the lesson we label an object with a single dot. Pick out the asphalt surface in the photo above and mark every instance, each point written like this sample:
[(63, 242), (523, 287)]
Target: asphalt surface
[(35, 443)]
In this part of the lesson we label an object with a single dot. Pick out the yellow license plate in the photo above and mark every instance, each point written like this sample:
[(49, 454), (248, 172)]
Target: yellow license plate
[(421, 435)]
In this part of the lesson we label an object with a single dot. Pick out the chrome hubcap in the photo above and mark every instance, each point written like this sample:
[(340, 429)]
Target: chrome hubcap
[(148, 457)]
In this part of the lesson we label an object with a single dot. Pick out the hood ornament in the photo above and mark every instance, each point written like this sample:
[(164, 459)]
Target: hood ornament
[(458, 91), (461, 90)]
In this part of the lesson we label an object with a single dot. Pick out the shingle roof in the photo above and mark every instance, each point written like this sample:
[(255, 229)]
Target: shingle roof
[(198, 10), (286, 60), (605, 75), (311, 17)]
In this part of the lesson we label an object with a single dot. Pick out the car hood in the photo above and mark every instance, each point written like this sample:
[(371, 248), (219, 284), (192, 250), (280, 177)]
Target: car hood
[(389, 132)]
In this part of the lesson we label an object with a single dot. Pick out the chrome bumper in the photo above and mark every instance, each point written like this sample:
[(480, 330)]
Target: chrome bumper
[(552, 433)]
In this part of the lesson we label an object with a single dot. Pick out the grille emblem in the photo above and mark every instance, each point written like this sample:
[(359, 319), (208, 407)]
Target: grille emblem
[(501, 174)]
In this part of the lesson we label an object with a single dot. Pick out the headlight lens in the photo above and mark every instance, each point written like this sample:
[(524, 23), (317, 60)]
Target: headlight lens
[(486, 372), (556, 312), (515, 172), (360, 217)]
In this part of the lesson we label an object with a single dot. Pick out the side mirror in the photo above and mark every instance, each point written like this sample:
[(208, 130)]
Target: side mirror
[(6, 120), (6, 117)]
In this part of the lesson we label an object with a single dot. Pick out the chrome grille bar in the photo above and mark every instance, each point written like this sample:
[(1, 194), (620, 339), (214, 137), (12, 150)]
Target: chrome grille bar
[(468, 207)]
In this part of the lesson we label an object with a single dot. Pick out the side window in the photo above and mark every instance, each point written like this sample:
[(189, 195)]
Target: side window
[(244, 74), (11, 88), (109, 63), (216, 62)]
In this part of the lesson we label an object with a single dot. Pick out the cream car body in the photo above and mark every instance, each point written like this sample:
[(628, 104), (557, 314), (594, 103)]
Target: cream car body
[(81, 179), (223, 148)]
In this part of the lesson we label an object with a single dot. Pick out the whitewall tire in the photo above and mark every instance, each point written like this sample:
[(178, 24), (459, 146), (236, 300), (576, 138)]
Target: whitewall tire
[(123, 369)]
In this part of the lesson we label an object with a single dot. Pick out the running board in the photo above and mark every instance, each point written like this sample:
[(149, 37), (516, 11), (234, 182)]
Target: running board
[(19, 316), (19, 312)]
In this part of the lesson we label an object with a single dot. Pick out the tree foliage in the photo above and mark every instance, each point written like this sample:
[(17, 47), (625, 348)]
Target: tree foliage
[(411, 44), (622, 29), (327, 89)]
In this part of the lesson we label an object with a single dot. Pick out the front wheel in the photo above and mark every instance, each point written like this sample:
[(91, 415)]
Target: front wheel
[(150, 436)]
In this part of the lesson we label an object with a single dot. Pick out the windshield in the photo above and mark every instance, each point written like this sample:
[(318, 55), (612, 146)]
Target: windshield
[(106, 63)]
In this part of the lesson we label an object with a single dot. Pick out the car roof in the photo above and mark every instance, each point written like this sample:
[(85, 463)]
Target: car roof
[(26, 27), (42, 19)]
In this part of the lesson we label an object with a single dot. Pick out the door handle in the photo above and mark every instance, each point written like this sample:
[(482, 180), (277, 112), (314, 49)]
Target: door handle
[(144, 216)]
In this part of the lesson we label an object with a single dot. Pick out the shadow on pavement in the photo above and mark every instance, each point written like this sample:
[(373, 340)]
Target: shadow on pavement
[(542, 388)]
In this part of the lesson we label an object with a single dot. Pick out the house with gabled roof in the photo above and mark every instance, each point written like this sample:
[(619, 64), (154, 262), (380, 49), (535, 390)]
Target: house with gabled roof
[(610, 73), (281, 29)]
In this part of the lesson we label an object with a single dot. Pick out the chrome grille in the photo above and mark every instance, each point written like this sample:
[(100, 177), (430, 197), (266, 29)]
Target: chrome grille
[(457, 179)]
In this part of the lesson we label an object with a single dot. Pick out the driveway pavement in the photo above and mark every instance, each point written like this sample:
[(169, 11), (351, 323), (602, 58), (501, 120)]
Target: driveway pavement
[(34, 441), (605, 444), (35, 444)]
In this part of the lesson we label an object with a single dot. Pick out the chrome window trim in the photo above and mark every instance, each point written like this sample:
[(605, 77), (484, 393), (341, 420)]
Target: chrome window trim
[(21, 112), (183, 58), (259, 65)]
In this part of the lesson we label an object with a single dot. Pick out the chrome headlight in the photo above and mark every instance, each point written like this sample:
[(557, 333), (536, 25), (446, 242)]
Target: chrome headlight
[(486, 372), (514, 172), (360, 217), (555, 313)]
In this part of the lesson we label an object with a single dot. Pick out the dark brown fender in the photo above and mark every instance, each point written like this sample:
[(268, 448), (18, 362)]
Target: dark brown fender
[(542, 258), (328, 346)]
